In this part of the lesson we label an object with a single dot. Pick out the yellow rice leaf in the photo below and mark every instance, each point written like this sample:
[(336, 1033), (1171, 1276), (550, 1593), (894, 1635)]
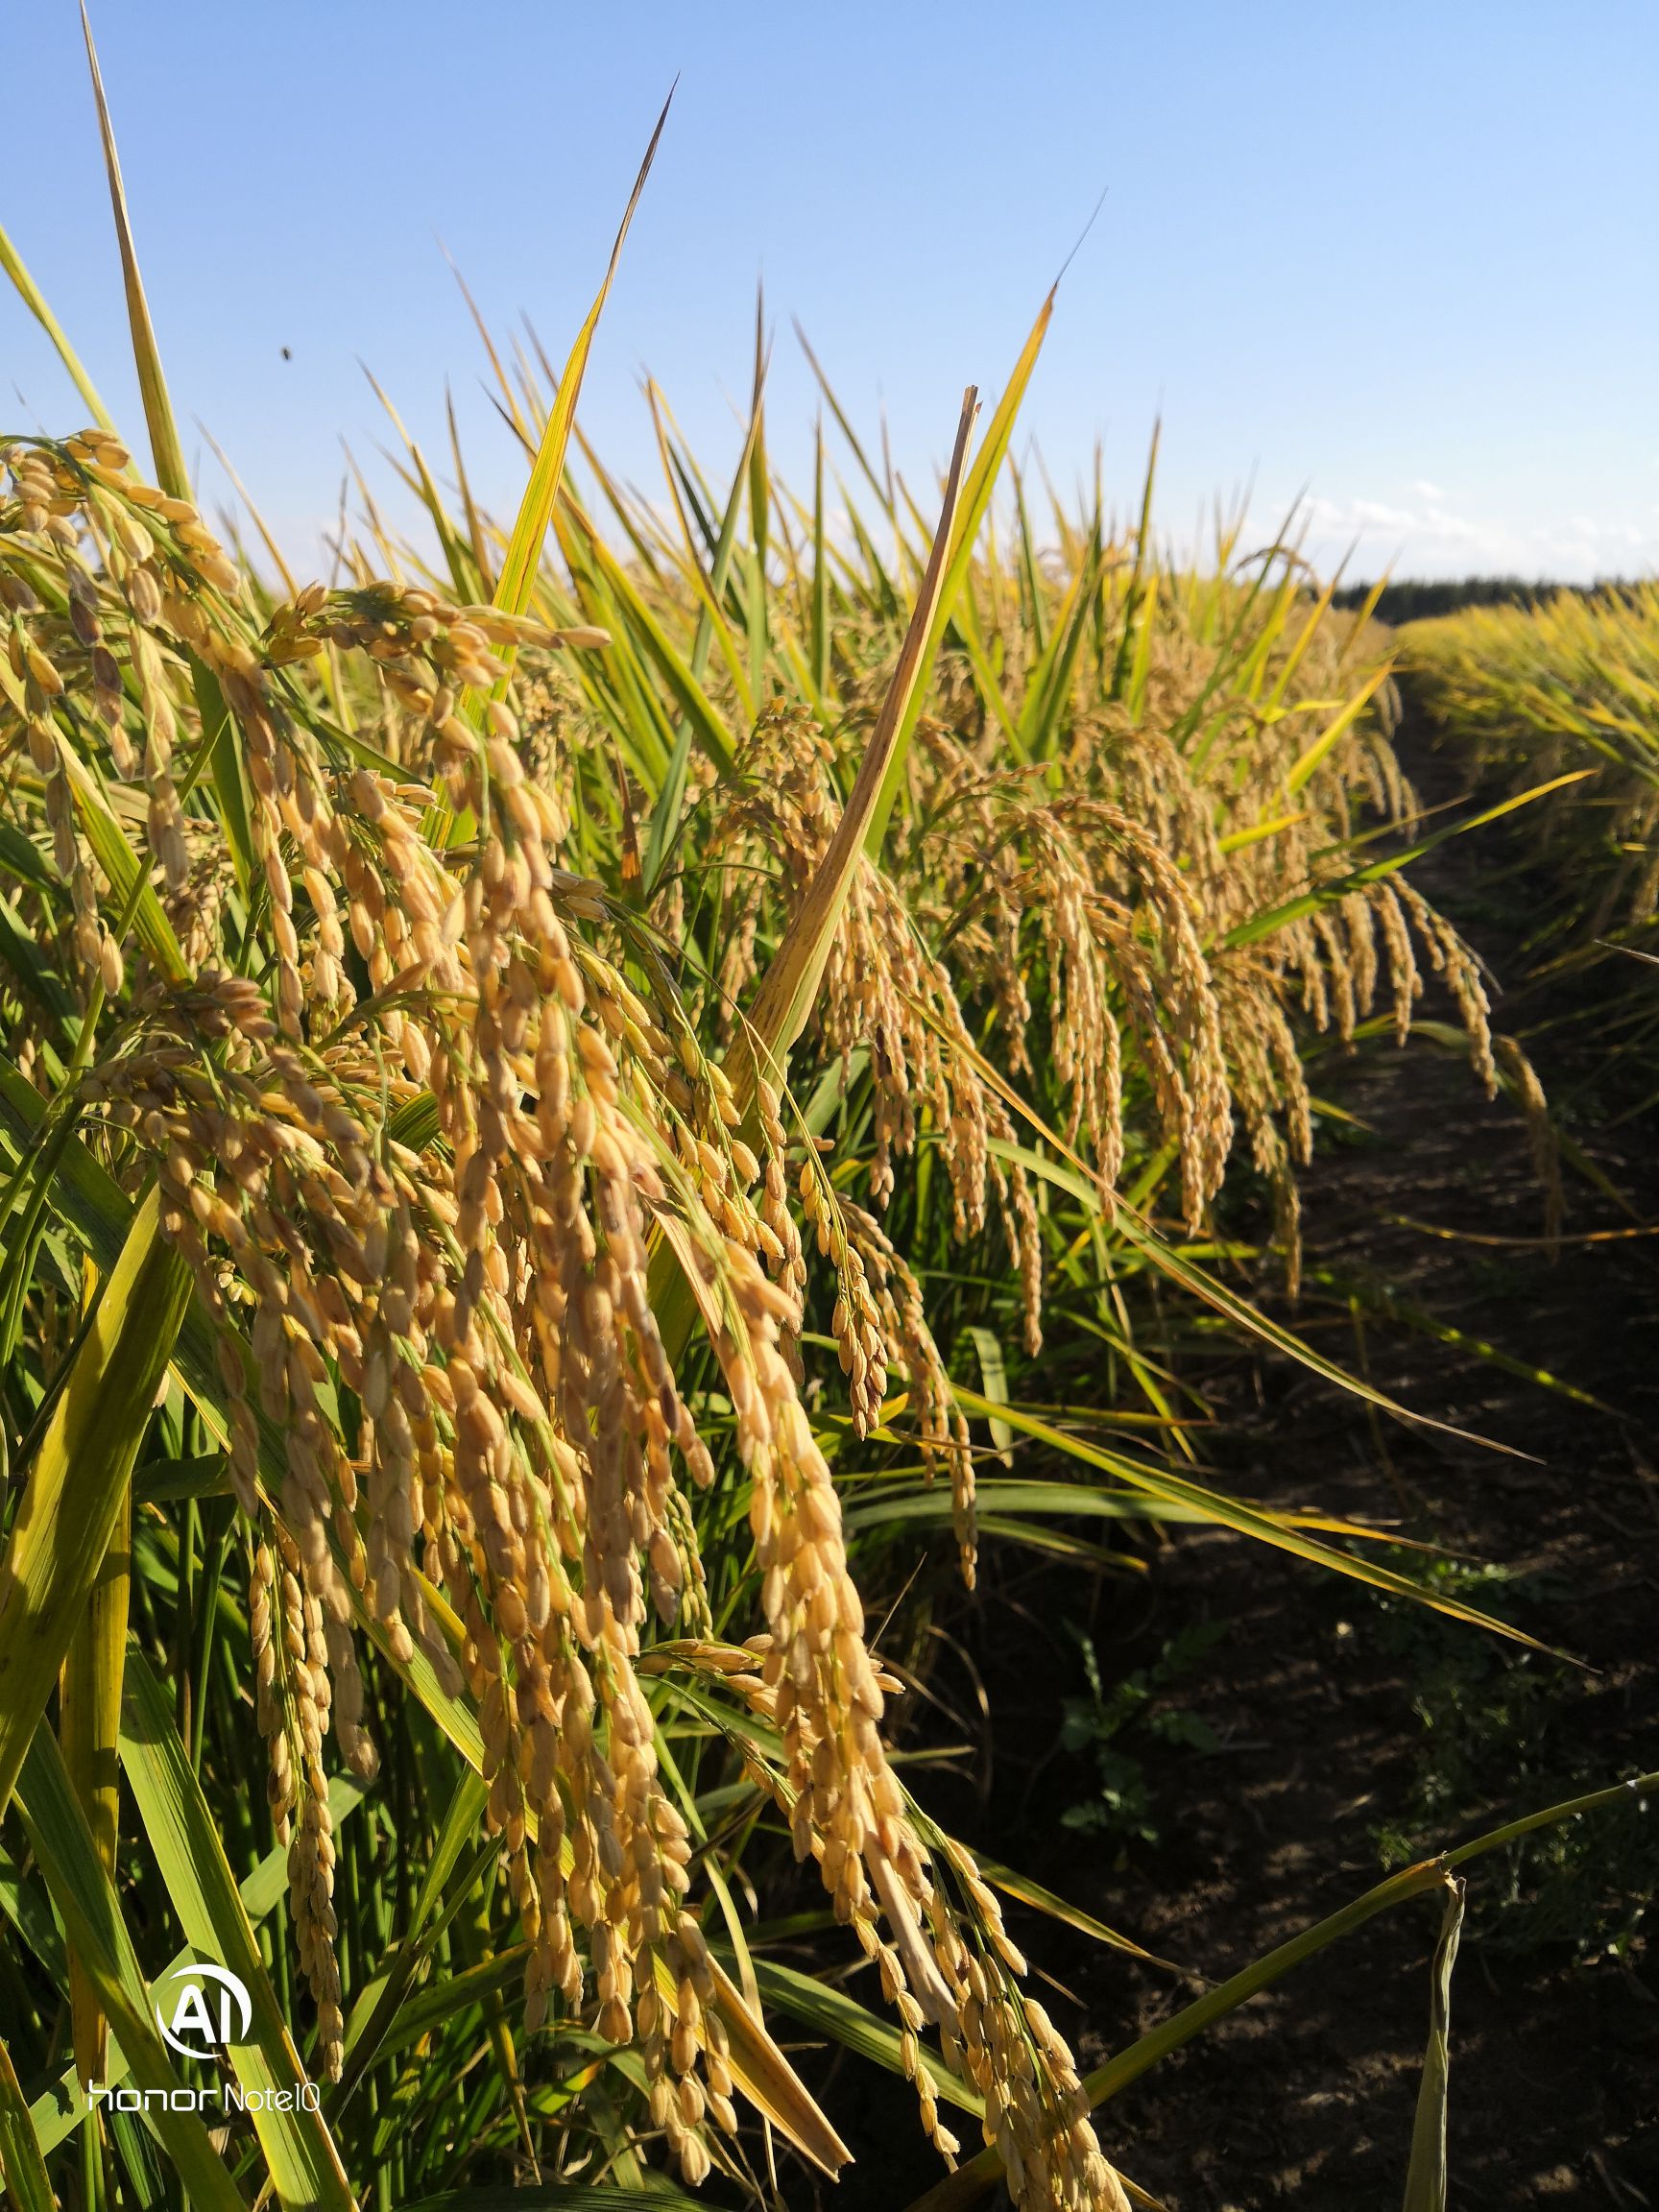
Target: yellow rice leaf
[(536, 509), (171, 472), (786, 997), (1338, 727)]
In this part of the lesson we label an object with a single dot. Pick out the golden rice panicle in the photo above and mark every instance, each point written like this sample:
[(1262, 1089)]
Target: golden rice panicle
[(846, 1807), (292, 1707), (1521, 1080), (939, 1426), (407, 1272), (946, 1961), (588, 1486), (882, 991), (1271, 1087), (855, 1324), (1118, 922), (1451, 959), (781, 1242)]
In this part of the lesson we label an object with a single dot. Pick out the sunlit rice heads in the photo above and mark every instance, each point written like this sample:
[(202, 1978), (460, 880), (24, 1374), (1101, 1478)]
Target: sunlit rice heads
[(519, 1255)]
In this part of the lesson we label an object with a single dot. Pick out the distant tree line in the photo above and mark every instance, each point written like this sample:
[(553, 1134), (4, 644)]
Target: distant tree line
[(1416, 601)]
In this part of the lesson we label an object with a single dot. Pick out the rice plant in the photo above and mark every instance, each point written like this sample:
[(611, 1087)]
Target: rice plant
[(1568, 685), (562, 1093)]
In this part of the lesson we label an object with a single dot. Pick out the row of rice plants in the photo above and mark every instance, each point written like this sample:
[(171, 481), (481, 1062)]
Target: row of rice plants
[(1567, 686), (1568, 689)]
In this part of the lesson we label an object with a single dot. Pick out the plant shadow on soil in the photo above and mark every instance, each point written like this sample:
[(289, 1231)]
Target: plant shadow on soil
[(1335, 1733)]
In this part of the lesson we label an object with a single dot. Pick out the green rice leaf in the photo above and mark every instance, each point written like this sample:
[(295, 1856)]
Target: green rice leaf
[(92, 1915), (1025, 1891), (564, 2196), (89, 1711), (29, 292), (81, 1478), (299, 2153), (827, 2010), (1283, 1533), (128, 875), (1426, 2179), (22, 2167), (708, 725)]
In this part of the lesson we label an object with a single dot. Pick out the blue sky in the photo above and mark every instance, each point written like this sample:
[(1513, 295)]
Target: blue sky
[(1402, 257)]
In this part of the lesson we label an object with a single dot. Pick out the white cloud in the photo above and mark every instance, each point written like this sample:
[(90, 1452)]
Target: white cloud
[(1421, 535)]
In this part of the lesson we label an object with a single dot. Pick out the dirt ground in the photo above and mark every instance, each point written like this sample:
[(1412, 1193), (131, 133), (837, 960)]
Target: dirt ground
[(1327, 1715)]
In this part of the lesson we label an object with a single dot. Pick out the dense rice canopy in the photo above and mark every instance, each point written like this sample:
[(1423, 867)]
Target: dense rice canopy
[(421, 988)]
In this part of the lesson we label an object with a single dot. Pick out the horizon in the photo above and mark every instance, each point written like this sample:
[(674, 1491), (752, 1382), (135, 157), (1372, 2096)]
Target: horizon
[(1405, 387)]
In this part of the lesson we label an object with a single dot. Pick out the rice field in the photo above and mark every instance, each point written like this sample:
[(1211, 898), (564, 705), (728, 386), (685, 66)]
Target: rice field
[(592, 1111), (1570, 685)]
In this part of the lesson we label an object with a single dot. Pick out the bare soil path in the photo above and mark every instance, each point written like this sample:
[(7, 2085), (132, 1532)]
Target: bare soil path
[(1333, 1719)]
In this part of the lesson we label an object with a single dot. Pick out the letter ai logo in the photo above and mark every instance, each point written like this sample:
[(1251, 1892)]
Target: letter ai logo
[(192, 2031)]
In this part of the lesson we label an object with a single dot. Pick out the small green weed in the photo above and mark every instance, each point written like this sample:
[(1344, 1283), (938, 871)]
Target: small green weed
[(1115, 1726), (1503, 1725)]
